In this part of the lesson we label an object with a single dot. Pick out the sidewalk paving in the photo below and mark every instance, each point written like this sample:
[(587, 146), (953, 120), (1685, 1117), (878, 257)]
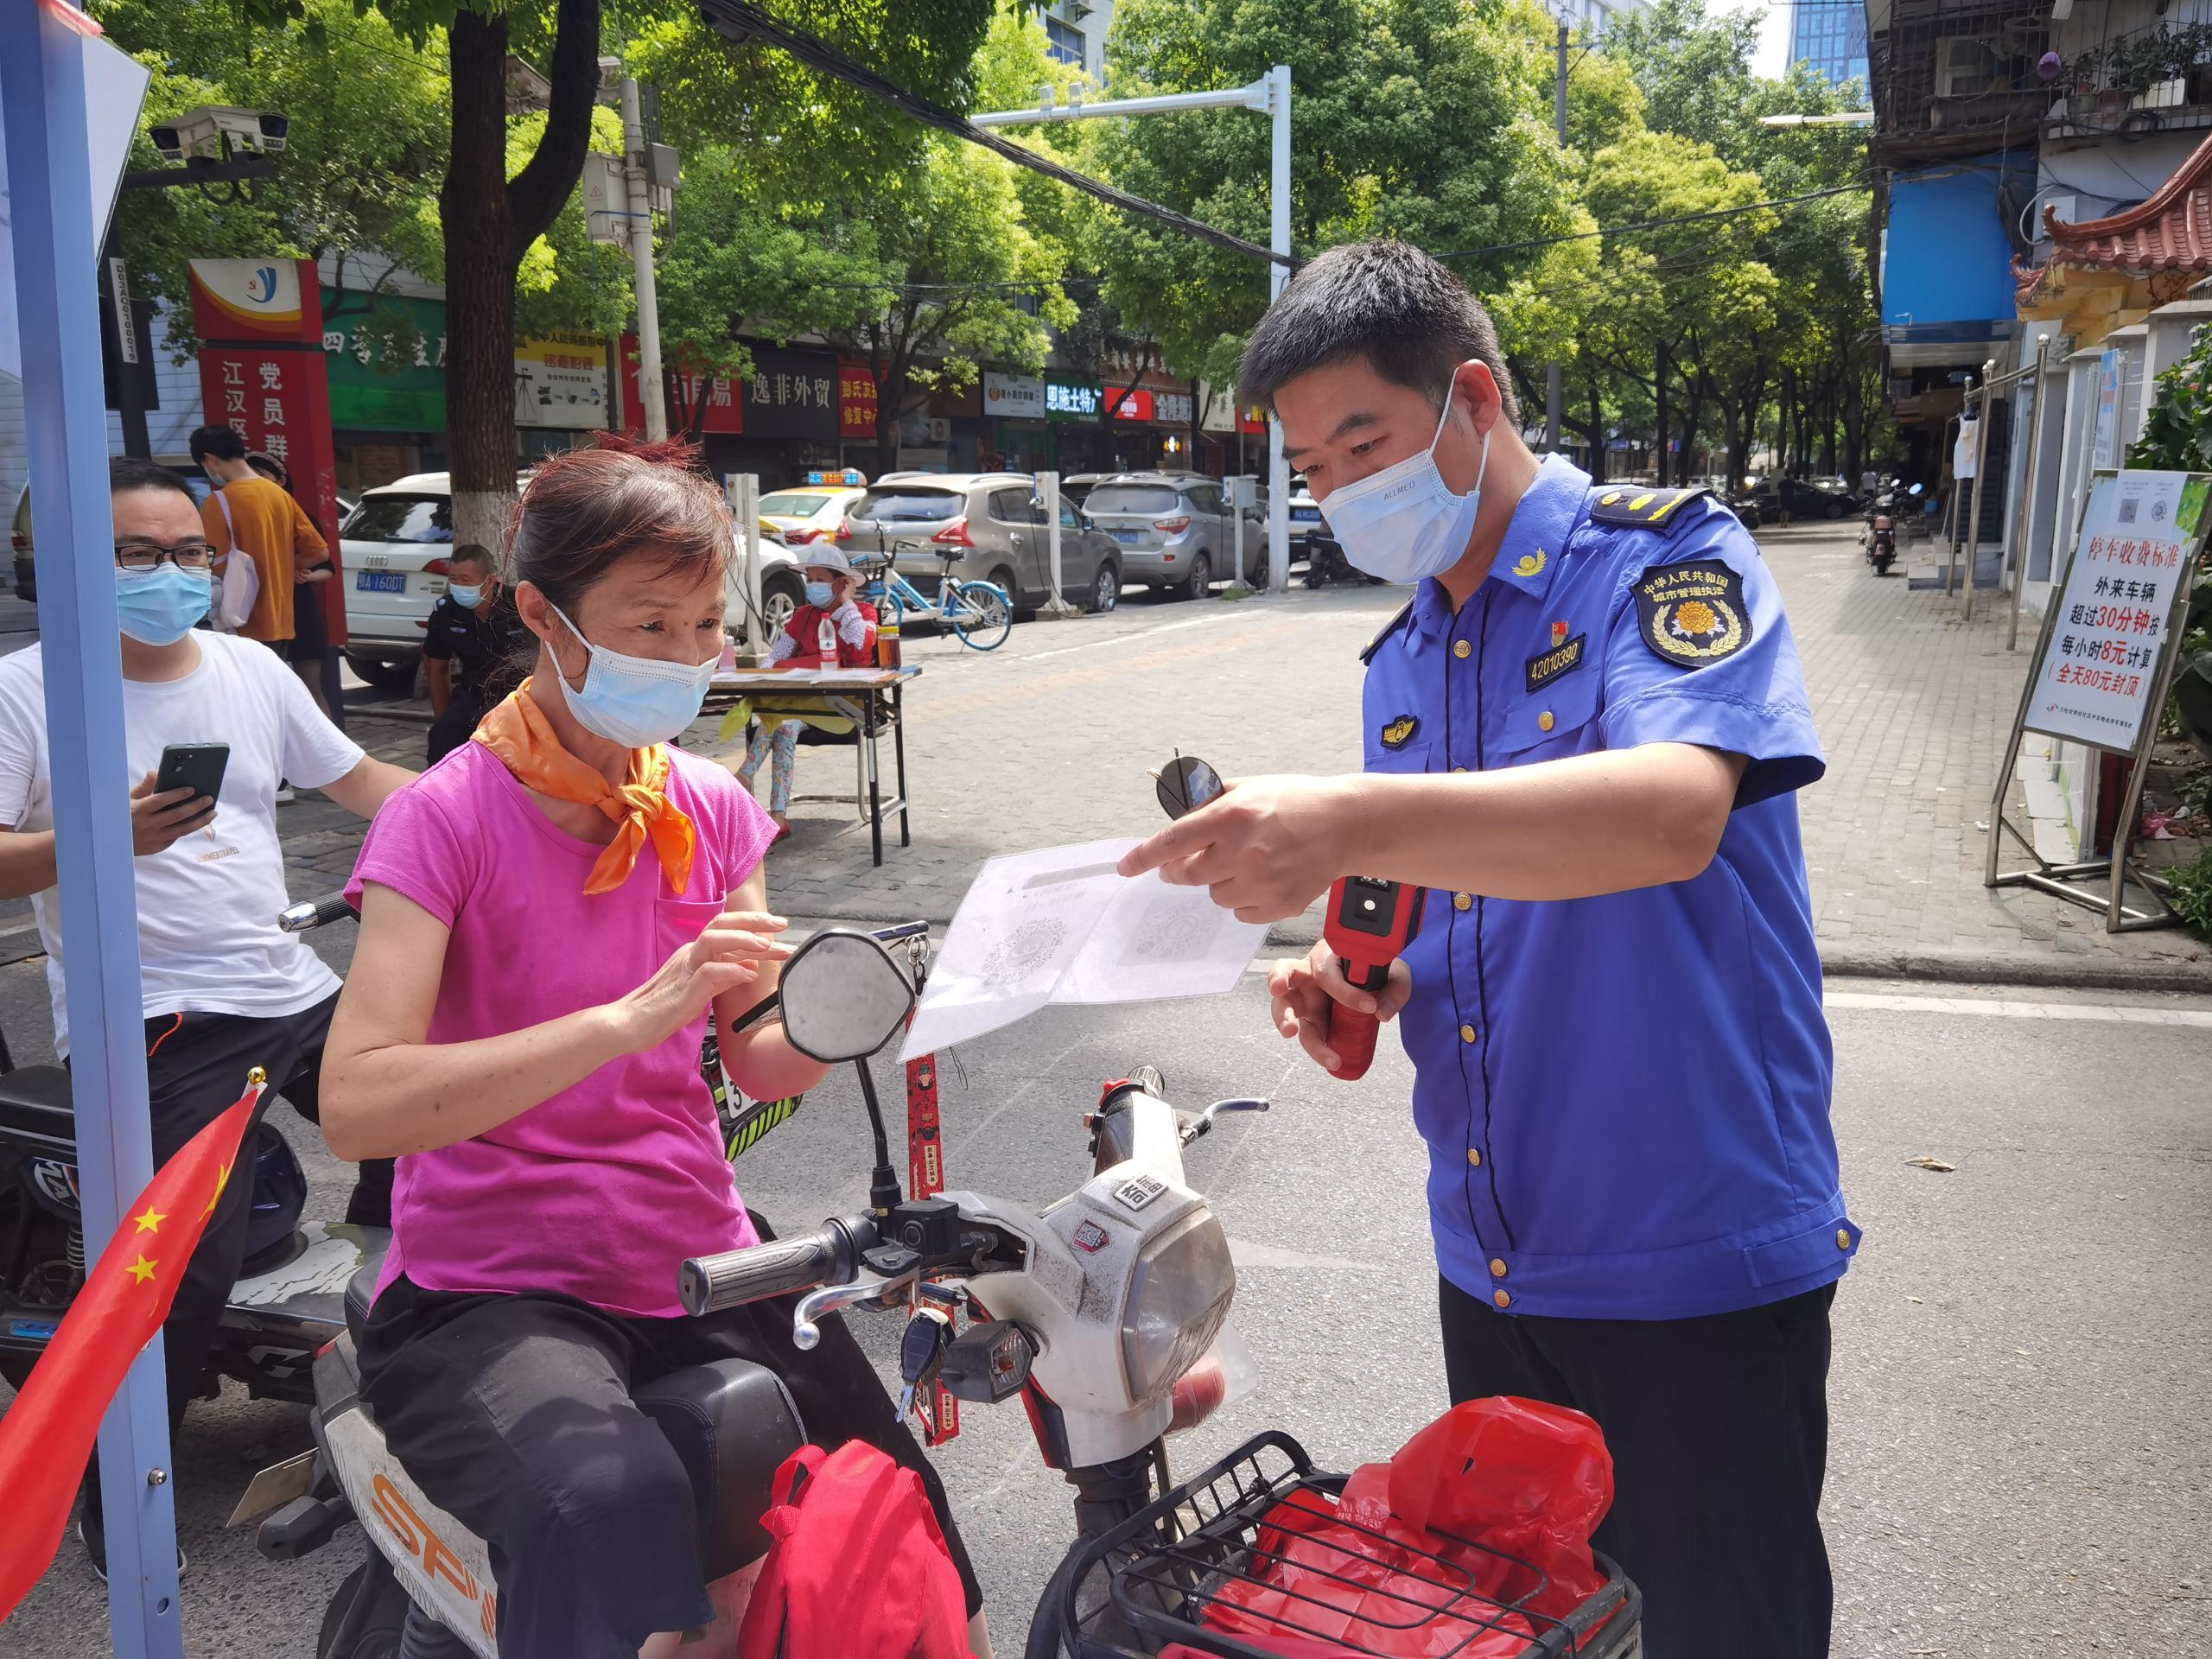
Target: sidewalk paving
[(1049, 740)]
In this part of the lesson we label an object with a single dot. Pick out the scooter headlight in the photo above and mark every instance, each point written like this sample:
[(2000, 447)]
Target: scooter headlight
[(1179, 1292)]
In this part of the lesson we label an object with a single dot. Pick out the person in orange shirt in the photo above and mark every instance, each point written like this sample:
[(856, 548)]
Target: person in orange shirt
[(249, 514)]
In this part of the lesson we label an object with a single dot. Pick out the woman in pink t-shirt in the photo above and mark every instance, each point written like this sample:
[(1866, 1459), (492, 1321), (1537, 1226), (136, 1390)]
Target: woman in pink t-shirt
[(546, 916)]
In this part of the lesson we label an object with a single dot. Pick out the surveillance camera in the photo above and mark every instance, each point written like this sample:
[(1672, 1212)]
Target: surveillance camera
[(168, 142), (274, 128), (251, 132)]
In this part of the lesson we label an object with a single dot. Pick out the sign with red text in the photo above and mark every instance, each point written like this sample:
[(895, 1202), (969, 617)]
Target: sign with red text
[(2098, 679), (724, 399), (856, 399), (263, 371)]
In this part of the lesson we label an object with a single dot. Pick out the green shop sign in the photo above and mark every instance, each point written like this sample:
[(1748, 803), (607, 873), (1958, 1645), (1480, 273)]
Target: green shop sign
[(387, 360)]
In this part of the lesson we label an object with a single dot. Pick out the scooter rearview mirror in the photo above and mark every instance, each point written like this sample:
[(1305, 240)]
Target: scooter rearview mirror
[(844, 996)]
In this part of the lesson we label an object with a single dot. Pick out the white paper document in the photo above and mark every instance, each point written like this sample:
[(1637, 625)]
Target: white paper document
[(1060, 926)]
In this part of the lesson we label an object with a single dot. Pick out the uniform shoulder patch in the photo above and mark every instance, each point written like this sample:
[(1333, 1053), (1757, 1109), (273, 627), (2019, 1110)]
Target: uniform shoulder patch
[(1631, 507), (1383, 633), (1693, 615)]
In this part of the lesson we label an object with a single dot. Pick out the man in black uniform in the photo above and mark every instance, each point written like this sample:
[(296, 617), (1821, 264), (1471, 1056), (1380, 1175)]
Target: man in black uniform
[(471, 630)]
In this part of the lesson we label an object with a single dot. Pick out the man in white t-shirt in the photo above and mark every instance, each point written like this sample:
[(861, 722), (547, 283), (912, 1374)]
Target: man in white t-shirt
[(225, 990)]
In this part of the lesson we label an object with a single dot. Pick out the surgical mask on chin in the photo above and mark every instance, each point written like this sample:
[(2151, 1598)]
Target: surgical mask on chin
[(819, 595), (634, 701), (468, 598), (159, 606), (1404, 524)]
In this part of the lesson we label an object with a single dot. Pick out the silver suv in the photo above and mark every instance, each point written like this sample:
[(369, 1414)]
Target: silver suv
[(993, 525), (1175, 529)]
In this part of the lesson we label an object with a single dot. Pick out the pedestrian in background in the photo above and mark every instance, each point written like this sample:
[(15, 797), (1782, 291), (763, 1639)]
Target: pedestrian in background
[(311, 655), (474, 630), (1582, 736), (1785, 495)]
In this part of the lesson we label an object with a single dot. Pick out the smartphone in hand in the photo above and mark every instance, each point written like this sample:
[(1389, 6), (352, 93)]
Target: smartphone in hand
[(196, 766)]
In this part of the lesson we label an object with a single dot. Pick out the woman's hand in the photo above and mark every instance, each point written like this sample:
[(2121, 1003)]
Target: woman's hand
[(728, 954), (1302, 995)]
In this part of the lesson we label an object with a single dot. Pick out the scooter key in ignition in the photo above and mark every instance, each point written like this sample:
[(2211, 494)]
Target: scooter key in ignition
[(921, 1351)]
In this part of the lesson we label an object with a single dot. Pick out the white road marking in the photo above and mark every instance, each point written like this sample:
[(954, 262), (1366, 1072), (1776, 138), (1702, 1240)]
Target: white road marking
[(1899, 1003), (1125, 639), (2122, 1014)]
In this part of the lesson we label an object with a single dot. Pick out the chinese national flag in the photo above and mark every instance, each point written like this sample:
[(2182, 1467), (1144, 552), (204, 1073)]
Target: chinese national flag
[(49, 1433)]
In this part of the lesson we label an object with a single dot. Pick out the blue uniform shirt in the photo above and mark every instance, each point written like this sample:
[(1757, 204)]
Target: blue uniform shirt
[(1625, 1099)]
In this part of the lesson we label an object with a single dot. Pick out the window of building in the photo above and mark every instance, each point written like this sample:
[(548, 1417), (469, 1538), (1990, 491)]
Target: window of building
[(1064, 42)]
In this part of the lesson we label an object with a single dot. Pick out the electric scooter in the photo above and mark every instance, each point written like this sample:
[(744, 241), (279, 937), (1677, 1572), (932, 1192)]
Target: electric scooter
[(1091, 1312)]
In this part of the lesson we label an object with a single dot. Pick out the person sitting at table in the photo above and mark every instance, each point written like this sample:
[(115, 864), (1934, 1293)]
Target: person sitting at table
[(832, 629)]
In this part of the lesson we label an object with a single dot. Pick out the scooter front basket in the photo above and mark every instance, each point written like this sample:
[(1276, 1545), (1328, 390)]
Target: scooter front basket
[(1154, 1582)]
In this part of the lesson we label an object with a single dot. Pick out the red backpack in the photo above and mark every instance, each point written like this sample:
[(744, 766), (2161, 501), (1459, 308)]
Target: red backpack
[(853, 1521)]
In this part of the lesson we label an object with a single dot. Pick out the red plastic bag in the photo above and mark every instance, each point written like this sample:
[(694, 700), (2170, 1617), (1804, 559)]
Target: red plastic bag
[(1413, 1560), (857, 1567)]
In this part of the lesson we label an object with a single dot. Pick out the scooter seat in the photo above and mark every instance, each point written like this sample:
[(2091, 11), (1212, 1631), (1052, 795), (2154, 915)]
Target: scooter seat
[(35, 1104), (360, 1291), (732, 1423)]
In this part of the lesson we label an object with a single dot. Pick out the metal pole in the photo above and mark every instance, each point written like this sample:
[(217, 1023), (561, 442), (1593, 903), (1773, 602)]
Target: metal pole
[(1980, 481), (651, 392), (1950, 515), (1278, 274), (1555, 375), (51, 191), (743, 494), (2026, 516), (1048, 491)]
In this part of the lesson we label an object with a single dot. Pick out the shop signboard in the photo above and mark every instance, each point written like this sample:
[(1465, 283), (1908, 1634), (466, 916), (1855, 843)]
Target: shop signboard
[(1013, 396), (1135, 404), (385, 357), (560, 383), (725, 412), (793, 394), (855, 399), (1071, 400)]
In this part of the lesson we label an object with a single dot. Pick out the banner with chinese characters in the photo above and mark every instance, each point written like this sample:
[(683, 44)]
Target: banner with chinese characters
[(724, 399), (793, 394), (856, 399), (1072, 400), (561, 383), (1013, 396), (2098, 676), (262, 371)]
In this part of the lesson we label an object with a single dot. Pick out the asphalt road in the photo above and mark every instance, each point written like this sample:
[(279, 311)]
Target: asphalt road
[(2018, 1466)]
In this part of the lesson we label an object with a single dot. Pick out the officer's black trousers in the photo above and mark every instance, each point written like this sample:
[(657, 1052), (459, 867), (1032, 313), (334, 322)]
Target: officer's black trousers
[(1719, 1428)]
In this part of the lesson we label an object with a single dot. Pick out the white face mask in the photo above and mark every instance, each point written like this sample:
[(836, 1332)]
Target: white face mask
[(1404, 523), (634, 701)]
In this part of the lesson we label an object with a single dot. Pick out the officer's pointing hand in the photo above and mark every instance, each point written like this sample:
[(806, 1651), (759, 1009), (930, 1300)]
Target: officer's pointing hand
[(1267, 848), (1303, 995)]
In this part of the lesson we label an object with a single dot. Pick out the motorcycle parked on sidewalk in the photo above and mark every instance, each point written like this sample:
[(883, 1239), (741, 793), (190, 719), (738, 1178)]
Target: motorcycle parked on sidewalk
[(1095, 1311), (1325, 561)]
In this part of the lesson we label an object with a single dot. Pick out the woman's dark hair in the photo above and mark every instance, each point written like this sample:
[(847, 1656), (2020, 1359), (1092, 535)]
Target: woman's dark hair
[(586, 510), (269, 468), (223, 442)]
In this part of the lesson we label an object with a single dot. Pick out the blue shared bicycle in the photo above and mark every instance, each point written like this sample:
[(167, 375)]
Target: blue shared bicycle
[(980, 614)]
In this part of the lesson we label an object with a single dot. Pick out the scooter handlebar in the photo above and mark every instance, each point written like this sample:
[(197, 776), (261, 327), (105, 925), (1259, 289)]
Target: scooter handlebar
[(316, 913), (831, 1253)]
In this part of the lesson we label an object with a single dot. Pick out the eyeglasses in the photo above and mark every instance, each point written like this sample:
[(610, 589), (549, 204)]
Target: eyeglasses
[(140, 554)]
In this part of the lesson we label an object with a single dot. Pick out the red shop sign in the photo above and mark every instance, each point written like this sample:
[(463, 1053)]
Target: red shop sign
[(856, 400), (1135, 405)]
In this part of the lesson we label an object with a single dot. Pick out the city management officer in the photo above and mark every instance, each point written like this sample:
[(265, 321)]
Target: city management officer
[(1583, 736)]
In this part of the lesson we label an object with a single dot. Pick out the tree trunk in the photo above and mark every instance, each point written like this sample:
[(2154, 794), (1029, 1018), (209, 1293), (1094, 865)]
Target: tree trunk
[(1662, 372), (1597, 431), (487, 221)]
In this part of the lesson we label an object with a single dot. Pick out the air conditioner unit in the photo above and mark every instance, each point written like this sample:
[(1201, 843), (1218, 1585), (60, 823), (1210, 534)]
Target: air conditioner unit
[(1961, 68)]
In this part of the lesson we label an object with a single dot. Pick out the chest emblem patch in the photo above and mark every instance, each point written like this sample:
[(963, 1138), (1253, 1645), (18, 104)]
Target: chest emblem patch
[(1399, 732), (1693, 614), (1558, 633), (1547, 666), (1530, 564)]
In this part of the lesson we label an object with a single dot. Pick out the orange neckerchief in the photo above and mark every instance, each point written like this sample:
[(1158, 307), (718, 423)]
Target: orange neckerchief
[(518, 733)]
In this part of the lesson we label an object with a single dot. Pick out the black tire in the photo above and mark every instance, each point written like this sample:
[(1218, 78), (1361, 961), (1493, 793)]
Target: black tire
[(376, 1633), (1106, 588), (394, 679), (781, 594), (1835, 509), (1200, 582)]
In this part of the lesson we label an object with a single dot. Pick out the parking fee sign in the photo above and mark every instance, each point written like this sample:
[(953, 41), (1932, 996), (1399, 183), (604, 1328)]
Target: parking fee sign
[(2099, 669)]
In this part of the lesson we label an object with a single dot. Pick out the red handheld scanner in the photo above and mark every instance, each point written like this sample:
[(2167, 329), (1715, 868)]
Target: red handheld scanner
[(1370, 924)]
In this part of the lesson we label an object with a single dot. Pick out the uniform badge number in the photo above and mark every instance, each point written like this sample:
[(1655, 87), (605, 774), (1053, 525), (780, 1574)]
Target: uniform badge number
[(1399, 732), (1693, 615), (1549, 665)]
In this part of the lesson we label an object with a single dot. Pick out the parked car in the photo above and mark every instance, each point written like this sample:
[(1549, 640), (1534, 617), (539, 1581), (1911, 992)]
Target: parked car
[(1176, 530), (393, 547), (1075, 487), (810, 511), (994, 527), (1828, 497)]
